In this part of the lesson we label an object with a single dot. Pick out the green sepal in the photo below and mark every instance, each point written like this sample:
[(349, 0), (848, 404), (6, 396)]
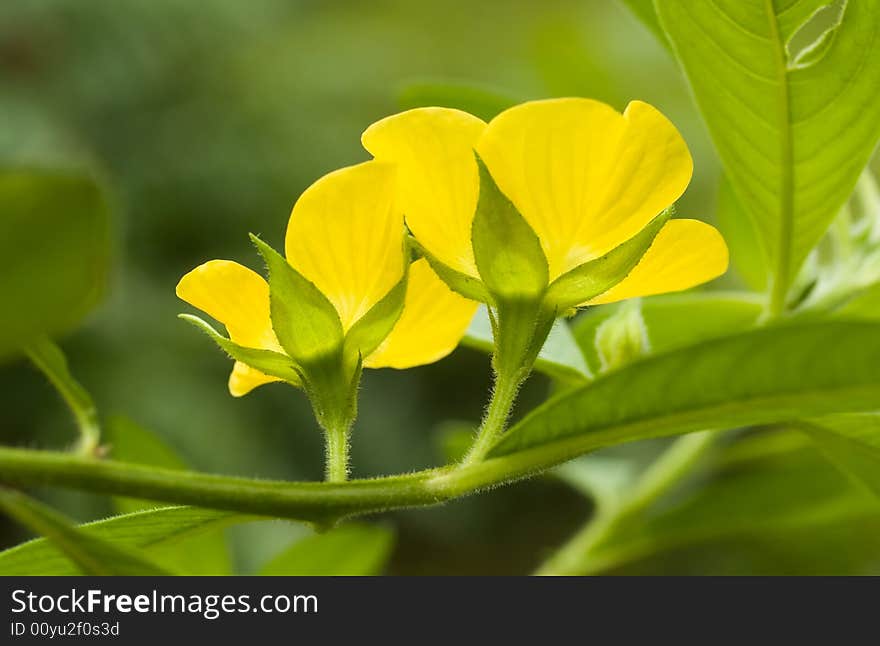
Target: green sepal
[(598, 276), (459, 282), (374, 327), (508, 252), (305, 321), (268, 362)]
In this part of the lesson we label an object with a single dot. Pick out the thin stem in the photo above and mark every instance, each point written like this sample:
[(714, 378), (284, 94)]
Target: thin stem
[(337, 440), (495, 419), (50, 360), (577, 555)]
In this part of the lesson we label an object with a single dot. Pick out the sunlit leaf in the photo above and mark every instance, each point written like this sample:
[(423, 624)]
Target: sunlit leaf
[(794, 119), (763, 376)]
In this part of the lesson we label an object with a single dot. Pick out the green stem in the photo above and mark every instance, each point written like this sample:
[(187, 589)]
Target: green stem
[(337, 440), (576, 557), (50, 360), (308, 501), (520, 330), (495, 420)]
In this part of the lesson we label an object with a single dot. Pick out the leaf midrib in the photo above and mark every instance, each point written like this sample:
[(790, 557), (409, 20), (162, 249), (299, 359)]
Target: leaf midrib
[(786, 205)]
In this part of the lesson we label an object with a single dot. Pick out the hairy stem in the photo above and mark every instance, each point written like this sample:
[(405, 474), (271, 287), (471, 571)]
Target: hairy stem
[(576, 556), (337, 441), (495, 420)]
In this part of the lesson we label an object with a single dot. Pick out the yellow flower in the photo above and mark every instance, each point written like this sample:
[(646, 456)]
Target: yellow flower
[(585, 177), (346, 236)]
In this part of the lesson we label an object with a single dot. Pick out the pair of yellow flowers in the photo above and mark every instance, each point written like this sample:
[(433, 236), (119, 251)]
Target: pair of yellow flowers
[(585, 178)]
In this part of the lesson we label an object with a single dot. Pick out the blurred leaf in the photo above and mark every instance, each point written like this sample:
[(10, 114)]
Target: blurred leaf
[(852, 443), (793, 134), (453, 438), (54, 248), (129, 442), (759, 377), (560, 357), (602, 478), (677, 320), (350, 550), (91, 554), (152, 531), (738, 229), (865, 305), (645, 12), (479, 101), (762, 488)]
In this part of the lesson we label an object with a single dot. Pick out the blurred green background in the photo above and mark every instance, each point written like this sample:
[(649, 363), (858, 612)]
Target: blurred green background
[(206, 120)]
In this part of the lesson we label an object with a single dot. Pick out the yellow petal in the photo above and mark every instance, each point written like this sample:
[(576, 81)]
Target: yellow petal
[(433, 321), (584, 176), (346, 236), (437, 174), (244, 379), (685, 253), (239, 299)]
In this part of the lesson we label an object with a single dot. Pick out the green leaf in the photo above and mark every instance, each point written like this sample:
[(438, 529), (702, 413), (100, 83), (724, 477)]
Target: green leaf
[(350, 550), (793, 133), (508, 253), (460, 283), (373, 327), (155, 532), (759, 377), (739, 231), (272, 363), (54, 249), (305, 321), (768, 491), (91, 554), (676, 320), (481, 102), (586, 281), (130, 442), (560, 357), (852, 443)]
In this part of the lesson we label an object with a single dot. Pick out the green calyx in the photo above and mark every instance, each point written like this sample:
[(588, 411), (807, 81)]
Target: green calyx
[(328, 359), (594, 277), (507, 251)]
